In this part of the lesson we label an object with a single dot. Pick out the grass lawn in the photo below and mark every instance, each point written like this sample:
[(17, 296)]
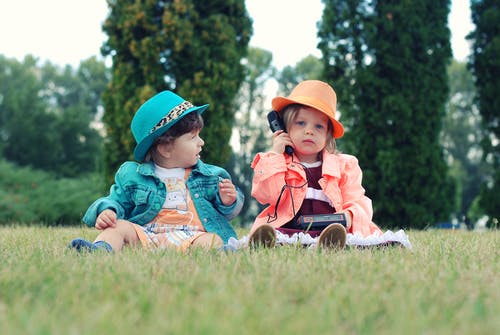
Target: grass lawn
[(448, 284)]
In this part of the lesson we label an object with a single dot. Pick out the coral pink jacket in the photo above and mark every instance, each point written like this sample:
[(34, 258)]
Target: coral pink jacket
[(341, 182)]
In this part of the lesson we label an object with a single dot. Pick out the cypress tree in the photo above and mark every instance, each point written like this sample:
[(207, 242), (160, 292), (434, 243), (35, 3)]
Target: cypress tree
[(193, 47), (389, 59), (485, 64)]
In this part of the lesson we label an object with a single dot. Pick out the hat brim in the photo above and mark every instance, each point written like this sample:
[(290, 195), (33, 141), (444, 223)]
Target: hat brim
[(142, 148), (279, 103)]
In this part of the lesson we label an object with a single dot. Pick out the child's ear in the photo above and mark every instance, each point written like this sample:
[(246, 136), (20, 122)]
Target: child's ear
[(164, 150)]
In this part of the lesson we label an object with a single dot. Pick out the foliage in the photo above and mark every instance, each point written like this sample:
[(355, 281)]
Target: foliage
[(307, 68), (485, 65), (344, 31), (461, 139), (250, 127), (251, 124), (22, 113), (46, 115), (387, 61), (28, 196), (281, 291), (193, 47)]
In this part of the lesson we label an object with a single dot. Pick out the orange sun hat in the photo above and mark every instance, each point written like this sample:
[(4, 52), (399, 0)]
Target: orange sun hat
[(316, 94)]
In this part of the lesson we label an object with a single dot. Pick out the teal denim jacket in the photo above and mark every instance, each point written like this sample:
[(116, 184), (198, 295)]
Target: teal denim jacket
[(138, 195)]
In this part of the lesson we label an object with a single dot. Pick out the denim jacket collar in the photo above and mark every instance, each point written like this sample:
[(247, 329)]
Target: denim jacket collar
[(146, 169)]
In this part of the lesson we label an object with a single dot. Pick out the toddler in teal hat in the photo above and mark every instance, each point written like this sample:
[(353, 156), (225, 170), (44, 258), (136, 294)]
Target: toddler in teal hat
[(169, 198)]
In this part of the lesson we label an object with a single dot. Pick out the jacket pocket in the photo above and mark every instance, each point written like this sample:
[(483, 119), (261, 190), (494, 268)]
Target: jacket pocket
[(139, 195), (206, 189)]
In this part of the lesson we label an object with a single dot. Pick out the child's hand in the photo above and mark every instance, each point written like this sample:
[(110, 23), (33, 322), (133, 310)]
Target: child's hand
[(348, 219), (106, 219), (227, 192), (280, 140)]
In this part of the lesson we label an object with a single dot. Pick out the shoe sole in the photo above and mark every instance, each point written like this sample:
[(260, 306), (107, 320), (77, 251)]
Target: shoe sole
[(333, 237), (264, 236)]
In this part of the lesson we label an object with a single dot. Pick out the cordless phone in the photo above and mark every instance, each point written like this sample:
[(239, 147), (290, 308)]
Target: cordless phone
[(276, 123)]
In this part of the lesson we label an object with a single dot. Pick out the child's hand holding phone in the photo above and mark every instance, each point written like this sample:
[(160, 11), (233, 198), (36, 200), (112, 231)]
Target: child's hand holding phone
[(281, 140)]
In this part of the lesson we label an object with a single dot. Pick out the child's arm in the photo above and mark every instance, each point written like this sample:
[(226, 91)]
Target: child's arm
[(268, 177), (116, 201), (355, 201), (229, 198)]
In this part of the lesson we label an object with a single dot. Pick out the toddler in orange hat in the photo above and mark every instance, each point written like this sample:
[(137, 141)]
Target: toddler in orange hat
[(314, 190)]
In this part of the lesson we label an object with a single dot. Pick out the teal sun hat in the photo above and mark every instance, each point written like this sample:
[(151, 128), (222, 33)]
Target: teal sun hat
[(156, 116)]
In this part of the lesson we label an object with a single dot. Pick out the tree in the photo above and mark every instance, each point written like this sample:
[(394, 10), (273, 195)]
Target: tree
[(250, 126), (251, 119), (46, 114), (25, 128), (344, 31), (387, 61), (74, 97), (461, 139), (485, 65), (192, 47), (307, 68)]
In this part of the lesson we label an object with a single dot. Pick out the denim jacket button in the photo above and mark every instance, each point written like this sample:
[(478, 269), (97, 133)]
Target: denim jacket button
[(196, 195)]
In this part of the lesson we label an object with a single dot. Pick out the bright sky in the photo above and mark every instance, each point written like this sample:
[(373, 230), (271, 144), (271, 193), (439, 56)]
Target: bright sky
[(68, 31)]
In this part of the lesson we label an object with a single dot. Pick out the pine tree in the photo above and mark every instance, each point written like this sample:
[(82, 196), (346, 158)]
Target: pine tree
[(192, 47), (387, 61), (485, 64)]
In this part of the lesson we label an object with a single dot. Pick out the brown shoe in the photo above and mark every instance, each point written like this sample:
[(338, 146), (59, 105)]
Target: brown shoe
[(333, 236), (264, 236)]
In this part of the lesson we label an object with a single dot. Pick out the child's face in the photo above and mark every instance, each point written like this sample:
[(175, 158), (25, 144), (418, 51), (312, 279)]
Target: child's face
[(308, 132), (184, 152)]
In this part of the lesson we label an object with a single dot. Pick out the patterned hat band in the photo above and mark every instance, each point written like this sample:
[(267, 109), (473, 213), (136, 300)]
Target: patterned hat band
[(173, 114)]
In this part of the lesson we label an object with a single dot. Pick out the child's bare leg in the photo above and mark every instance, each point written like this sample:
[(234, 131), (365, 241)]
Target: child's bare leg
[(122, 234), (208, 241)]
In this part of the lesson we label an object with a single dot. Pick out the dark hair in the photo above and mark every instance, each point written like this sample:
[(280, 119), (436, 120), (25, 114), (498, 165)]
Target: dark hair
[(190, 122)]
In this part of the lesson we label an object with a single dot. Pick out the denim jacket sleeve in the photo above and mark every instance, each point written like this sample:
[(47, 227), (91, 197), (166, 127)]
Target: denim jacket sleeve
[(117, 199), (232, 210)]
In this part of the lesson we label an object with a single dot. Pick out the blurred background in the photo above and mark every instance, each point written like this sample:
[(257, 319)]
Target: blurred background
[(417, 85)]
